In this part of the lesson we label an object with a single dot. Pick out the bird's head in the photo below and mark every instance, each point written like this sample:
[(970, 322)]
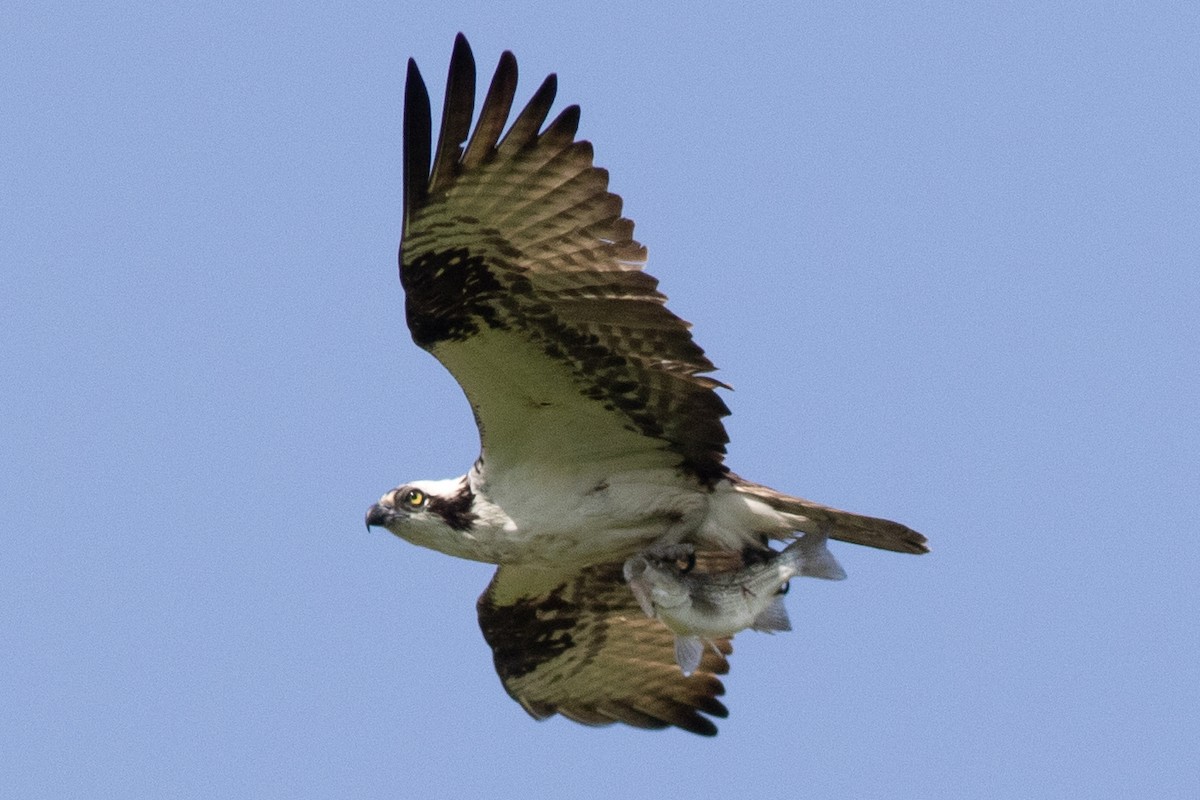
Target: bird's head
[(433, 514)]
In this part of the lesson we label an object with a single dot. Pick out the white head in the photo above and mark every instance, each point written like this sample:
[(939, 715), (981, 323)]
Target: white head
[(434, 514)]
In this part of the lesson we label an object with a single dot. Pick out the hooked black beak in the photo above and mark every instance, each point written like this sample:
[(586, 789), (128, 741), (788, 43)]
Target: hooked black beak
[(379, 515)]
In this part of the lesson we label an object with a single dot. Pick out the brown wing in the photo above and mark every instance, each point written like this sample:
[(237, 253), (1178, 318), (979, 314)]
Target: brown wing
[(524, 280), (581, 647)]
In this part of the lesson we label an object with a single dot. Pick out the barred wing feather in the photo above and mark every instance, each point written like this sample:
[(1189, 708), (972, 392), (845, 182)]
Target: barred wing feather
[(524, 280)]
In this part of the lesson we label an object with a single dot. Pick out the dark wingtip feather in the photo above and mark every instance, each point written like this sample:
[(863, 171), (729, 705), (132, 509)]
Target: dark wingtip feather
[(494, 113), (417, 140), (562, 130), (527, 124), (714, 707), (457, 111)]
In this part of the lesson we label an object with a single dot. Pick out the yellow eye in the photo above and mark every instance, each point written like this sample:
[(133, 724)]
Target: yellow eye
[(414, 498)]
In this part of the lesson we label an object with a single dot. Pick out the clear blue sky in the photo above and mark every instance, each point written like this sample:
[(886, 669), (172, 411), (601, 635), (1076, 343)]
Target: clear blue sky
[(948, 255)]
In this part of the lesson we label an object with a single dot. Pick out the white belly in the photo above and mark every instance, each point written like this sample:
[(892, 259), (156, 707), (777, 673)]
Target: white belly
[(589, 519)]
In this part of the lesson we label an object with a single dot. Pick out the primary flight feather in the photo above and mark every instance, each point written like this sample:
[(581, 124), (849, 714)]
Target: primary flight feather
[(600, 430)]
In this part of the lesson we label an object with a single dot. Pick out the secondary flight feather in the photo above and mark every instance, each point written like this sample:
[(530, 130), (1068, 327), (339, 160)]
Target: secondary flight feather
[(600, 429)]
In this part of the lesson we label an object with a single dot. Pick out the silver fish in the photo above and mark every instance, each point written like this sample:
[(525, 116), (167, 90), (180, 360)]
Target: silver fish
[(701, 606)]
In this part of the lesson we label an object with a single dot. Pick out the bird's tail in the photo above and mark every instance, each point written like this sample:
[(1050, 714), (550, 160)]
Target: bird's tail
[(845, 526)]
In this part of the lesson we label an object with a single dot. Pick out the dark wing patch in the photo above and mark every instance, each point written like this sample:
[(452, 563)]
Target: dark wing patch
[(584, 649), (455, 291), (514, 252)]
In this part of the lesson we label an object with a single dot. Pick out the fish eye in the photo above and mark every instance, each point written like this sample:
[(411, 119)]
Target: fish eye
[(413, 498)]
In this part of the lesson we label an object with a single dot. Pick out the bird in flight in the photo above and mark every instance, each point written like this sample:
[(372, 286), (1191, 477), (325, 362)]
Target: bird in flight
[(601, 431)]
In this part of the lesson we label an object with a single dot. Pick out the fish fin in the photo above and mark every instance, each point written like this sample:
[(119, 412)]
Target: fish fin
[(773, 618), (815, 559), (642, 594), (688, 652), (634, 571)]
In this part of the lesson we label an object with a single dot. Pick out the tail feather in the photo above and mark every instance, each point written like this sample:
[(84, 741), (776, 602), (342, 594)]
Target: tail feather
[(845, 526)]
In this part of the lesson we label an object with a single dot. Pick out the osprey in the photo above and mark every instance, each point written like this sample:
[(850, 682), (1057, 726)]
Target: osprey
[(601, 433)]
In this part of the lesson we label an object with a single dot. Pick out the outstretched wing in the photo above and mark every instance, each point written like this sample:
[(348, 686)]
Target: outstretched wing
[(523, 279), (580, 646)]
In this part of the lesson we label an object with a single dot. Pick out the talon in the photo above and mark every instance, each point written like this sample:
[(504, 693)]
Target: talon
[(683, 556)]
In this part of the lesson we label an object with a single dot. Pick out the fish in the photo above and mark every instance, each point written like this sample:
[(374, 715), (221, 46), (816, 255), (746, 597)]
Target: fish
[(699, 607)]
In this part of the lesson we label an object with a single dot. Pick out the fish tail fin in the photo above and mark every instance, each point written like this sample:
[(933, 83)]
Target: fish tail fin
[(773, 618), (813, 559)]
